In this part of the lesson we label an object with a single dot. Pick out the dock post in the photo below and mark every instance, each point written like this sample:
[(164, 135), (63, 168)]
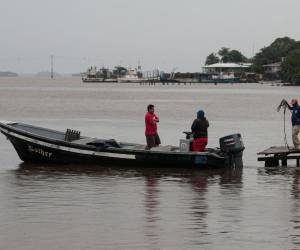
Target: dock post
[(284, 161), (272, 162)]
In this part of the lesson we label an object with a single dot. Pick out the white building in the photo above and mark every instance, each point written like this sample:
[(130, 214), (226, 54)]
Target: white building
[(218, 68), (273, 68)]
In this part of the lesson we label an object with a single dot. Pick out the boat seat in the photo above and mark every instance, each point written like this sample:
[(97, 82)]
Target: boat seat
[(102, 144), (166, 148), (84, 141), (139, 147)]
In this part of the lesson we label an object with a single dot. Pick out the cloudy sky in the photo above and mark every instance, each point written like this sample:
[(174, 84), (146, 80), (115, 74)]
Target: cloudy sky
[(162, 34)]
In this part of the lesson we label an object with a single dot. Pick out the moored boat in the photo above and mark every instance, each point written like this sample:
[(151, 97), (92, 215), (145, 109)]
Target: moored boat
[(37, 144), (101, 75), (133, 75)]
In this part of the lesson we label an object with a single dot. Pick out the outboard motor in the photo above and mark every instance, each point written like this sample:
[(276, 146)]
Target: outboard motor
[(233, 146)]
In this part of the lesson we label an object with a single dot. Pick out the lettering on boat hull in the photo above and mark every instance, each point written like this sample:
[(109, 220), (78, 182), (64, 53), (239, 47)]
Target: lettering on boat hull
[(39, 151)]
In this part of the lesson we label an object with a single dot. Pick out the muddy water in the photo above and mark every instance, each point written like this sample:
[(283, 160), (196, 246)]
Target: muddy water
[(71, 207)]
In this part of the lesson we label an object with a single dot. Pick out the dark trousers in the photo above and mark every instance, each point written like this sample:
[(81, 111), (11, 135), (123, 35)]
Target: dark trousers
[(152, 141)]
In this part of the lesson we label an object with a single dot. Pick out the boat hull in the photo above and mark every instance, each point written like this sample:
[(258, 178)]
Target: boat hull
[(39, 153), (98, 80), (42, 152), (33, 148)]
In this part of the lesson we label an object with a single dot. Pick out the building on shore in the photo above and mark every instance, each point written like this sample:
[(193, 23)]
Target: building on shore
[(224, 72), (272, 71)]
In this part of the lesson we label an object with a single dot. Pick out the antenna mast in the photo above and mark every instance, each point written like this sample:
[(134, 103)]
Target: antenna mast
[(52, 67)]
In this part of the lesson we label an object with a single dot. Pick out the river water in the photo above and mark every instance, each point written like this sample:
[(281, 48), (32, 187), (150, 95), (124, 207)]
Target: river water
[(73, 207)]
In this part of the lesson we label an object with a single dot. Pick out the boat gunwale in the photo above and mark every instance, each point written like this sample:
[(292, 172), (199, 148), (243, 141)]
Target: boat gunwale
[(71, 144), (10, 129)]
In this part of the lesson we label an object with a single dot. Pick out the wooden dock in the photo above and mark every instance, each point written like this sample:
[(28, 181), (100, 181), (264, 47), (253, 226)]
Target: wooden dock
[(274, 155)]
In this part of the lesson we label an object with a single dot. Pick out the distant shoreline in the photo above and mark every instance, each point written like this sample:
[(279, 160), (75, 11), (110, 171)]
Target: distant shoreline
[(8, 74)]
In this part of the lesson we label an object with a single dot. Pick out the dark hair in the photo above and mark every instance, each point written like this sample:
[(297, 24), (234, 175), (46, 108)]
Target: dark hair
[(150, 106)]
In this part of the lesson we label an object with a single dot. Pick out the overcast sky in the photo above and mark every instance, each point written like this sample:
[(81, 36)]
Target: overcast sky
[(162, 34)]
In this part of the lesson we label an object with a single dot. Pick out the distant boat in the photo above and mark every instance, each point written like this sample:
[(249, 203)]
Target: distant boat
[(136, 76), (120, 74), (226, 77), (132, 76), (101, 75), (43, 145)]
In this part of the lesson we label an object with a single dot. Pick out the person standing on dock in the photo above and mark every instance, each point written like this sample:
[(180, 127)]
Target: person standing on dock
[(151, 120), (295, 108), (199, 130)]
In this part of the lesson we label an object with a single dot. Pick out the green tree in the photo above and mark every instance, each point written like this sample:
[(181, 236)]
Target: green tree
[(211, 59), (273, 53), (236, 56), (233, 56), (296, 79), (290, 67), (224, 54)]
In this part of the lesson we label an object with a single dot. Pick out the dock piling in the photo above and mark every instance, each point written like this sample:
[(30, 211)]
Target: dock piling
[(274, 155)]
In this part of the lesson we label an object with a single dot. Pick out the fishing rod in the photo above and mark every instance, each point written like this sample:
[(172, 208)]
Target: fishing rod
[(284, 105)]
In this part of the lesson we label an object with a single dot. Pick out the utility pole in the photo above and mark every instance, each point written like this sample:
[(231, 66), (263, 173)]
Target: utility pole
[(52, 66)]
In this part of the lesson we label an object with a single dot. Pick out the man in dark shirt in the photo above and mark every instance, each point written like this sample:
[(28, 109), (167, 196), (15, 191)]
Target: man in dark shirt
[(199, 130), (151, 120), (295, 108)]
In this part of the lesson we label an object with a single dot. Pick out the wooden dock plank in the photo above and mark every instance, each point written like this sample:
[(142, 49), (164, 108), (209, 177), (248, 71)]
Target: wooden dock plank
[(276, 154), (281, 150), (279, 157)]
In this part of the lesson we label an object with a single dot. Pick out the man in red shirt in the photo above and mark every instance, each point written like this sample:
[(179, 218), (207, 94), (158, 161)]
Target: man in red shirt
[(151, 121)]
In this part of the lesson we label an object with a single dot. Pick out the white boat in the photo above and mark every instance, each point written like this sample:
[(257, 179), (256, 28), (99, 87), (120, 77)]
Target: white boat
[(132, 76), (101, 75)]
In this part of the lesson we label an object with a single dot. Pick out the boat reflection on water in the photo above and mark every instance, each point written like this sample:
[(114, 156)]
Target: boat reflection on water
[(295, 220), (180, 196), (285, 179), (227, 175)]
